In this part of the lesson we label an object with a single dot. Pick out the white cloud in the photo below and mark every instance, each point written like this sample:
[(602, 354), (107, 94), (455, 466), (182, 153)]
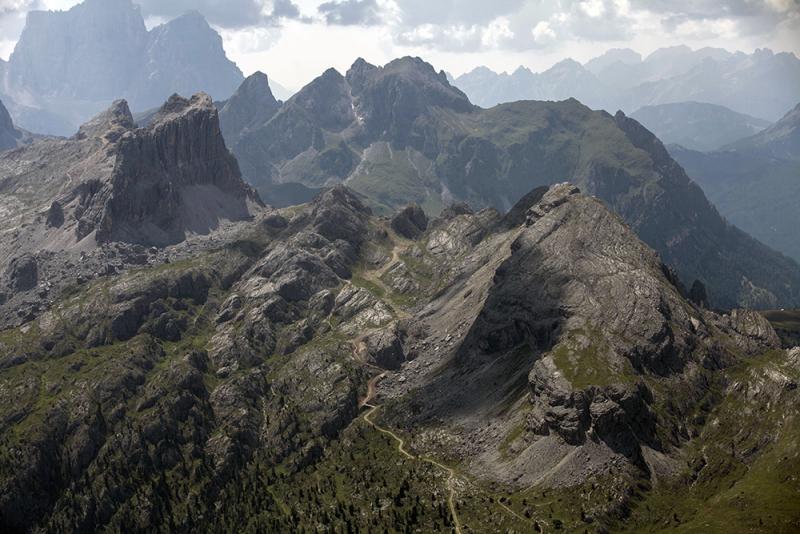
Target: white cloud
[(593, 8), (542, 33), (498, 31)]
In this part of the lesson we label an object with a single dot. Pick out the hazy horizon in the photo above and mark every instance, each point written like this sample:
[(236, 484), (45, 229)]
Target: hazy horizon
[(294, 41)]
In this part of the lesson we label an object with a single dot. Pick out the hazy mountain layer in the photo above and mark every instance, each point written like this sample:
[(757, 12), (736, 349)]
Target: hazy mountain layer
[(697, 126), (10, 135), (566, 79), (753, 182), (764, 85), (402, 133), (75, 63), (542, 369)]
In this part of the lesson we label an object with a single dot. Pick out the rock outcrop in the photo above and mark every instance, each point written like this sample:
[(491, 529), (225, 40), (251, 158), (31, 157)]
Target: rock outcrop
[(409, 222), (174, 176), (115, 183), (594, 324), (10, 135)]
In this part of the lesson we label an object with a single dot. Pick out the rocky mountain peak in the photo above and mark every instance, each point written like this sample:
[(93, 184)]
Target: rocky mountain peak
[(174, 176), (73, 64), (252, 105), (390, 98), (173, 63), (92, 50), (177, 106), (116, 182), (110, 125), (358, 73)]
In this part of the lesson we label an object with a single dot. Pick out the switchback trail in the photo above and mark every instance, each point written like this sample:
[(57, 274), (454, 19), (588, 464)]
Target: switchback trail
[(357, 347)]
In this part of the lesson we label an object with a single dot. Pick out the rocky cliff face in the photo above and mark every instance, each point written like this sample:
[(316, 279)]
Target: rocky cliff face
[(75, 63), (94, 49), (183, 56), (115, 182), (11, 136), (8, 137)]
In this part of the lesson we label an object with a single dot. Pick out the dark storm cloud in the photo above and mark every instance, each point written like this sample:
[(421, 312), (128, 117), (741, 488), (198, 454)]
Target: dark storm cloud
[(230, 14), (351, 13)]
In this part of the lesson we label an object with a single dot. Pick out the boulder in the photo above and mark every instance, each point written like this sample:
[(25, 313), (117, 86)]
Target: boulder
[(409, 221)]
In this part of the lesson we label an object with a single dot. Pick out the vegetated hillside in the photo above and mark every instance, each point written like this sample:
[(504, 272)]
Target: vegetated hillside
[(698, 126), (542, 369), (70, 65), (753, 182), (401, 133)]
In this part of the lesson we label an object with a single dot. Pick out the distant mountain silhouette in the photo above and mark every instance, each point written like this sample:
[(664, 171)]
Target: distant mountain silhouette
[(698, 126), (754, 182), (762, 84), (74, 63)]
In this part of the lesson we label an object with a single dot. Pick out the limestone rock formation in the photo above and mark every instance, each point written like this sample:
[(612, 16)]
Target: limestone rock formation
[(250, 106), (75, 63), (8, 137), (183, 56), (174, 176), (114, 182), (409, 222)]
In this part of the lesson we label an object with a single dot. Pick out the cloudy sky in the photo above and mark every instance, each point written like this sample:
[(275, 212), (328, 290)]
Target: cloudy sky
[(294, 41)]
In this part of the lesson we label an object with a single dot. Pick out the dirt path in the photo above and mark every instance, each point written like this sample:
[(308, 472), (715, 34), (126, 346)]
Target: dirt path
[(401, 448), (375, 276), (357, 349)]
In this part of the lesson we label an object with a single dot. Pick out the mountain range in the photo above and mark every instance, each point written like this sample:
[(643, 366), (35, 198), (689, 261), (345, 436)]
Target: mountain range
[(762, 84), (753, 182), (281, 369), (697, 126), (526, 318), (402, 133), (69, 65)]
